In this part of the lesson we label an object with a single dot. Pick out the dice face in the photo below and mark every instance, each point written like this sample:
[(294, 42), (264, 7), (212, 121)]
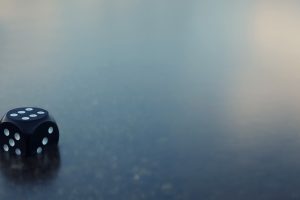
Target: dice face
[(27, 114), (12, 140), (44, 136), (28, 131)]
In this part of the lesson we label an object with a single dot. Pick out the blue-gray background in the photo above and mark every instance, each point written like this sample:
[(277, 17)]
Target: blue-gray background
[(157, 99)]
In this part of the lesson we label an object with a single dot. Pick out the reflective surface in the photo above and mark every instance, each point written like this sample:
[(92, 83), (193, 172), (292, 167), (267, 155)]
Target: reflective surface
[(155, 99)]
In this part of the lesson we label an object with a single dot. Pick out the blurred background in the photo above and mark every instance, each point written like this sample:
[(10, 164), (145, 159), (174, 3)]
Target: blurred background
[(156, 99)]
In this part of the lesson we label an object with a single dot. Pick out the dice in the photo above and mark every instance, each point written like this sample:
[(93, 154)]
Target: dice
[(28, 131)]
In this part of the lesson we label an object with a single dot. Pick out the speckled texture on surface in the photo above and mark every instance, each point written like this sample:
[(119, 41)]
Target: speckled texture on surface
[(155, 99)]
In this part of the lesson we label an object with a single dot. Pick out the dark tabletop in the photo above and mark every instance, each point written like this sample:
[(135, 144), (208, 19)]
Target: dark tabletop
[(155, 99)]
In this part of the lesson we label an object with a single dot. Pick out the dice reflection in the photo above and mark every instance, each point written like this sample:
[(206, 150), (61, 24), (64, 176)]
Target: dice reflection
[(39, 168)]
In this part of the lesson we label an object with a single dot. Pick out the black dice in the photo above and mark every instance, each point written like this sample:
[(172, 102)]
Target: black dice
[(28, 131)]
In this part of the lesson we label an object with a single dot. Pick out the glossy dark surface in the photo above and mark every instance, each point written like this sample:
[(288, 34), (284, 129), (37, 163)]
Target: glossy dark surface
[(155, 99)]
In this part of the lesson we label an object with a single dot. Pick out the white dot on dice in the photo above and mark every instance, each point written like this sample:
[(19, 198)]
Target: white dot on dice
[(33, 115), (39, 150), (11, 142), (50, 130), (17, 136), (45, 141), (18, 152), (29, 109), (14, 115), (21, 112), (5, 147), (25, 118), (6, 132), (41, 112)]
